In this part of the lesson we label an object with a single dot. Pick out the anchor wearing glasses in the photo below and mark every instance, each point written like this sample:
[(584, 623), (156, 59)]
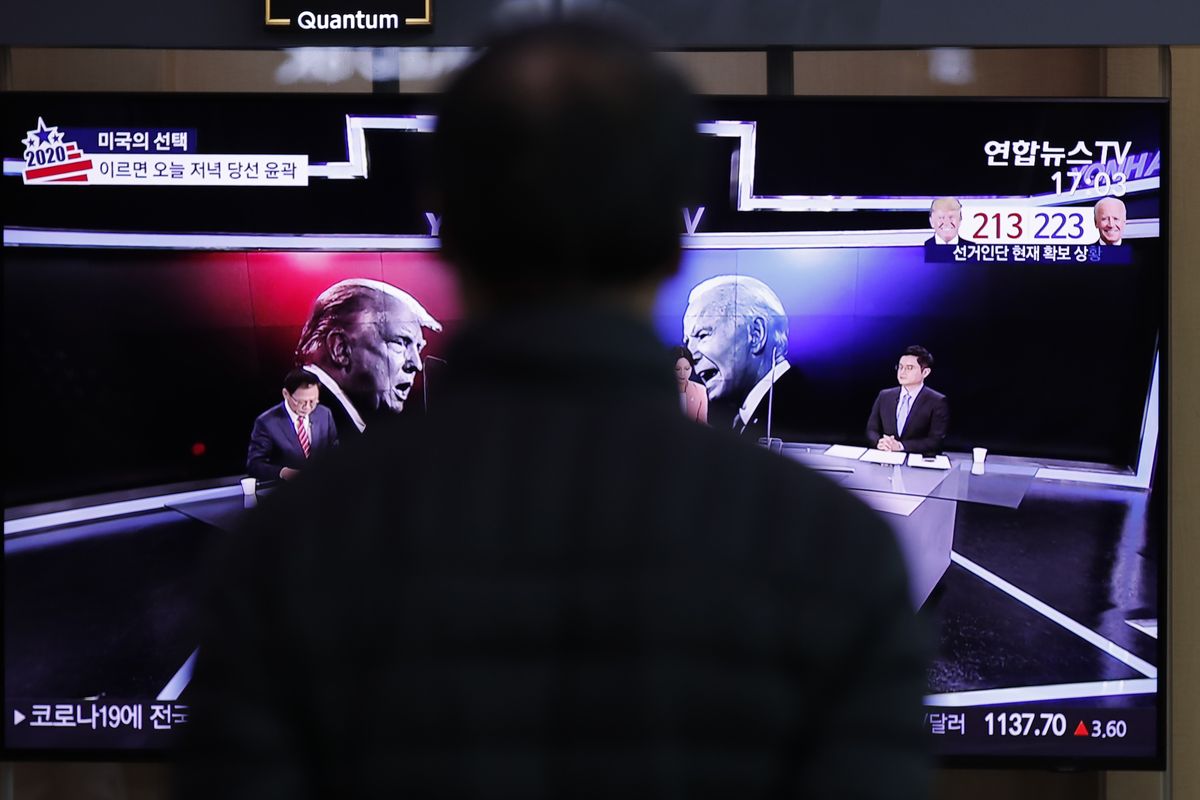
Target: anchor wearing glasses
[(911, 417), (288, 436)]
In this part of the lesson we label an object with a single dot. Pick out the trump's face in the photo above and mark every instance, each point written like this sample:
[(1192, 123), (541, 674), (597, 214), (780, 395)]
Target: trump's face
[(385, 351), (1110, 219), (719, 344), (945, 219)]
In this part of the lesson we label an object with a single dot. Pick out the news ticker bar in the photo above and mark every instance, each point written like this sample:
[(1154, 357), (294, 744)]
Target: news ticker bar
[(1033, 729), (115, 723)]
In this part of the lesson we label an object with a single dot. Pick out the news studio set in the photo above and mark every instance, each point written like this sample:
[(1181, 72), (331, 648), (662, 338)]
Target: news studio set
[(163, 254)]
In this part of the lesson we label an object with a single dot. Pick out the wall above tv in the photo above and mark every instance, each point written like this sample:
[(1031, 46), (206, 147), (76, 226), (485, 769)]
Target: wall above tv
[(717, 25)]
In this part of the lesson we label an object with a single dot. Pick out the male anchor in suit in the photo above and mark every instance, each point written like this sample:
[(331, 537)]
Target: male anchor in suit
[(911, 416), (287, 436)]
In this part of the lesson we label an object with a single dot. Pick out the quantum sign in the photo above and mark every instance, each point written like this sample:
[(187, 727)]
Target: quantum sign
[(332, 15)]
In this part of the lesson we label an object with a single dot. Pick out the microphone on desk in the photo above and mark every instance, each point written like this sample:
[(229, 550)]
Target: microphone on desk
[(772, 444)]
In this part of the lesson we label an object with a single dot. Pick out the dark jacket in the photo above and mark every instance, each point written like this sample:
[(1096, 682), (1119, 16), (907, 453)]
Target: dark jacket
[(513, 598), (274, 444), (927, 424)]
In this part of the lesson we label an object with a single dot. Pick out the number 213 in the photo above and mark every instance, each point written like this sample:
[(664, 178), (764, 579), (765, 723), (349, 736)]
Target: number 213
[(1014, 226)]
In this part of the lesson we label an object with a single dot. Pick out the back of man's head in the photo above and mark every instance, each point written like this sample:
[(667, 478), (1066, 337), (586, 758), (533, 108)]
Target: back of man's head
[(563, 157)]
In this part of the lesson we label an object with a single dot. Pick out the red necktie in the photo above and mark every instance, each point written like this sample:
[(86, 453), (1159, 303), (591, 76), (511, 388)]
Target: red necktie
[(302, 432)]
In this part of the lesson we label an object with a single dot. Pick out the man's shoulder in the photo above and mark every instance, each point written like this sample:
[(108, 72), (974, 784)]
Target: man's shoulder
[(788, 384), (273, 413), (934, 394), (790, 378), (323, 411), (893, 391)]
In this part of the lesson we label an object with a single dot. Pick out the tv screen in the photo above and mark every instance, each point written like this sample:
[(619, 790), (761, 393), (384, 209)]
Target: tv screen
[(953, 308)]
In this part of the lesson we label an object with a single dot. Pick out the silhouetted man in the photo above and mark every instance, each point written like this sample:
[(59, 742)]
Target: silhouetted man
[(513, 596)]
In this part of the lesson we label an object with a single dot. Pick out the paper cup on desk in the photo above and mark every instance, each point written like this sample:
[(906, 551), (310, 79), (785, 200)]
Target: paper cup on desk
[(248, 485), (979, 454), (977, 469)]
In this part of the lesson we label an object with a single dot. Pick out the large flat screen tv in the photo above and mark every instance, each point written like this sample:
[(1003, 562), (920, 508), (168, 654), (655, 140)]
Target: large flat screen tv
[(162, 255)]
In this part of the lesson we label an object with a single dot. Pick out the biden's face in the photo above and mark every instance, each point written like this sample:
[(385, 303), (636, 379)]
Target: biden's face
[(385, 346), (720, 345), (1110, 219)]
